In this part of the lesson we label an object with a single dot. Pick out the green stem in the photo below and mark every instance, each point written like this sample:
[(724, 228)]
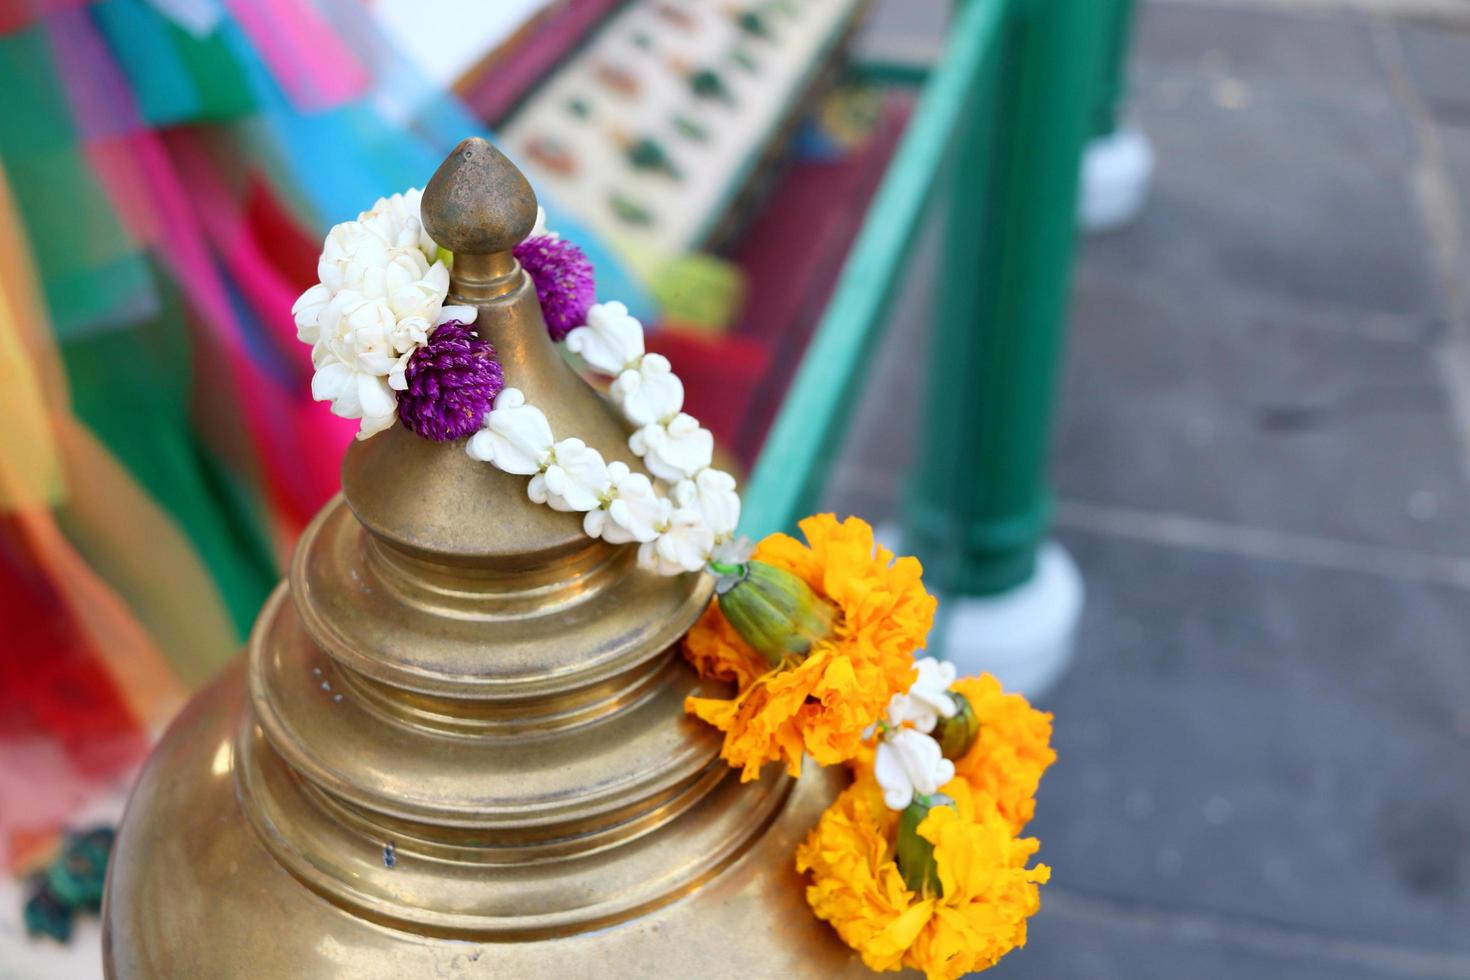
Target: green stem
[(728, 568)]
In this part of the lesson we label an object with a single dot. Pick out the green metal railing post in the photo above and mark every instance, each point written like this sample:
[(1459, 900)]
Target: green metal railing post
[(1112, 74), (977, 509), (788, 478)]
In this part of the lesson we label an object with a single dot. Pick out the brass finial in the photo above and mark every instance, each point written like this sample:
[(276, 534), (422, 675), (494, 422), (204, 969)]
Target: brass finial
[(479, 206), (478, 202)]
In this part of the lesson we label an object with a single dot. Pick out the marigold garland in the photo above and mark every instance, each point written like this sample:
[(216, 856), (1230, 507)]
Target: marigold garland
[(856, 886), (1011, 752), (821, 705)]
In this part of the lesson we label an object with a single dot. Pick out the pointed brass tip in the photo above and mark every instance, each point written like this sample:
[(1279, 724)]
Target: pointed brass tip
[(478, 202)]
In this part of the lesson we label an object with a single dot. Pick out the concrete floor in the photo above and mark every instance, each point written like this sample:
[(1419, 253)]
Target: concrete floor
[(1260, 461)]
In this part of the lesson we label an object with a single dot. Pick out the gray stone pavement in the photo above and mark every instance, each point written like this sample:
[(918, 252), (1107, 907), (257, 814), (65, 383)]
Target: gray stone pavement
[(1261, 467)]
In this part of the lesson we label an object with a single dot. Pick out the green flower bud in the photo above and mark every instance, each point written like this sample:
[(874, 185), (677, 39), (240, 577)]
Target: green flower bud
[(914, 854), (773, 610), (955, 735)]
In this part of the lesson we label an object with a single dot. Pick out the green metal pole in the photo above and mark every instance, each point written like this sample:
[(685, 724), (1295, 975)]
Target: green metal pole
[(977, 509), (1112, 85)]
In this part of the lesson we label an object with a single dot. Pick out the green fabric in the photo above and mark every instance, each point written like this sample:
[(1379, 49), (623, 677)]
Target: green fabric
[(175, 76), (92, 271), (132, 389), (224, 92)]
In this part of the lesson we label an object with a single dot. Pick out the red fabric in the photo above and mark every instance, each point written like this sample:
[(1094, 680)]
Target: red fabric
[(293, 249), (51, 683), (792, 255)]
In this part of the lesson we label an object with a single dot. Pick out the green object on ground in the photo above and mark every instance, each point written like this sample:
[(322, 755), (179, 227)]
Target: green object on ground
[(71, 884), (47, 915)]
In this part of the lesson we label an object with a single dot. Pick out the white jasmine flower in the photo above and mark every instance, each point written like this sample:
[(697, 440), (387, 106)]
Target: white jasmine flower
[(576, 478), (675, 451), (356, 255), (683, 546), (356, 364), (908, 762), (464, 314), (307, 310), (712, 492), (355, 395), (357, 330), (405, 211), (380, 261), (516, 437), (649, 393), (630, 511), (416, 303), (610, 341), (928, 698)]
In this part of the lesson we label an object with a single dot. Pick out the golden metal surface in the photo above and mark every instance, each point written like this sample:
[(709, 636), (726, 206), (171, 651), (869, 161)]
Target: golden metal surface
[(455, 746)]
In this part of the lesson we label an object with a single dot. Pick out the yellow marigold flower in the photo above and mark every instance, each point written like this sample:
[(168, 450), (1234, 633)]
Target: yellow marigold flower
[(717, 652), (1011, 752), (856, 886), (821, 704)]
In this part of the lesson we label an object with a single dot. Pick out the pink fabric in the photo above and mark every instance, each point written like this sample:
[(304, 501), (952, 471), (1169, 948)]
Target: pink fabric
[(296, 439), (320, 437), (117, 170), (312, 64)]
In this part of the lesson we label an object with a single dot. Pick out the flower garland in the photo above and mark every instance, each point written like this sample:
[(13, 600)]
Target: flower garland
[(684, 532), (385, 348), (919, 863)]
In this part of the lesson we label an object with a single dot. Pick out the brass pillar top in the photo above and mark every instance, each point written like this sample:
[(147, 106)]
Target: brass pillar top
[(461, 748)]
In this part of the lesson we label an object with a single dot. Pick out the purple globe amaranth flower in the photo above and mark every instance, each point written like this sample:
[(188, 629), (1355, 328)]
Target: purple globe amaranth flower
[(564, 281), (452, 383)]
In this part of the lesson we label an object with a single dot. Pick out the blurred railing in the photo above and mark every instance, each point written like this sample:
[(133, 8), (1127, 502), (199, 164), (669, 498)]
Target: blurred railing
[(996, 139)]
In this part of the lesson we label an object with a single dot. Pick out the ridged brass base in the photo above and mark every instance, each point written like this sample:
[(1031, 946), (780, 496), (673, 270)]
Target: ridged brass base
[(197, 893)]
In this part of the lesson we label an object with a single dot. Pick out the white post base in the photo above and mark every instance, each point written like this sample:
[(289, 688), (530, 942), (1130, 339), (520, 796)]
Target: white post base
[(1025, 637), (1116, 172)]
